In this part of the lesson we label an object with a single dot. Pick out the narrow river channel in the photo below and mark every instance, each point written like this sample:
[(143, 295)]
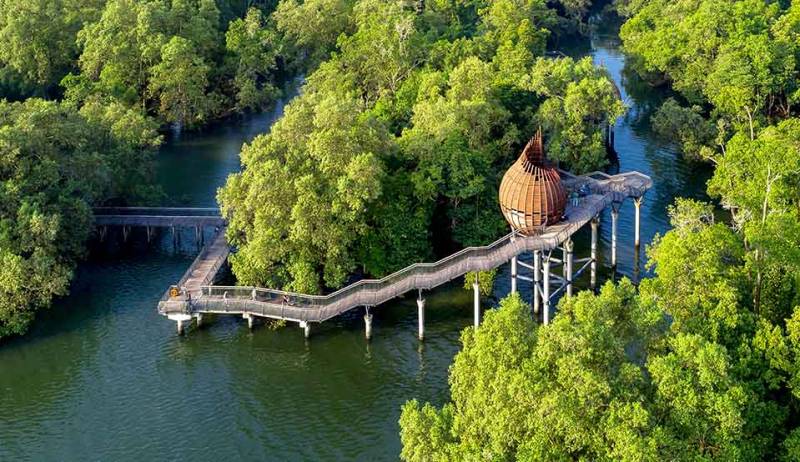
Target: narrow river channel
[(103, 377)]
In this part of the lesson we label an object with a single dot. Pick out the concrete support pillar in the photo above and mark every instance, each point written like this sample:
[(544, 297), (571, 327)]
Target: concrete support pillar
[(614, 220), (181, 329), (514, 274), (537, 270), (250, 320), (637, 203), (174, 237), (368, 325), (103, 231), (476, 289), (125, 231), (421, 316), (199, 319), (306, 326), (546, 288), (198, 234), (568, 252), (593, 265), (149, 230)]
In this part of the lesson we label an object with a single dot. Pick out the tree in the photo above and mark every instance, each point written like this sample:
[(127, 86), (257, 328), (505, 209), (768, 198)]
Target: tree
[(385, 48), (55, 164), (38, 37), (699, 280), (314, 26), (556, 392), (179, 81), (581, 103), (299, 208), (757, 179), (685, 126), (740, 56), (255, 50), (119, 50), (453, 142)]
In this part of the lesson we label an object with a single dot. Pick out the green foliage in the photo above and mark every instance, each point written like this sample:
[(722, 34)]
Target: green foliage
[(604, 381), (707, 299), (440, 93), (312, 27), (38, 38), (180, 82), (485, 281), (581, 101), (55, 163), (176, 60), (310, 185), (686, 127), (255, 49), (740, 56)]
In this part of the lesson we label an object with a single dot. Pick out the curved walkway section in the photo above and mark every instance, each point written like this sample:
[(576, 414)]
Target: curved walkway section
[(590, 195)]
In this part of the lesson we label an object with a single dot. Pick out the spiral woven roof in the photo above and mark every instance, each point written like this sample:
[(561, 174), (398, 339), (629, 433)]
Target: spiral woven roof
[(531, 193)]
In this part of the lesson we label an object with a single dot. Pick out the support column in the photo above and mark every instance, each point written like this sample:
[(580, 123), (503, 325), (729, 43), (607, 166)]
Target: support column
[(250, 320), (368, 325), (125, 231), (198, 233), (536, 280), (103, 231), (421, 316), (637, 203), (306, 326), (593, 266), (514, 274), (181, 330), (614, 220), (199, 319), (476, 289), (546, 288), (568, 251), (149, 231), (174, 238)]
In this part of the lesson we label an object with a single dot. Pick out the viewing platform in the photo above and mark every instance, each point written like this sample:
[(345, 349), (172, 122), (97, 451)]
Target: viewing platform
[(195, 295)]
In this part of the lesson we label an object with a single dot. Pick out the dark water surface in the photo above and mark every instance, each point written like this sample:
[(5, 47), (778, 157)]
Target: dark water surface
[(103, 377)]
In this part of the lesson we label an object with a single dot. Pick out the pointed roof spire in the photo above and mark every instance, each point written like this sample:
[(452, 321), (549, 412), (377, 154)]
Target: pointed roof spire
[(534, 150)]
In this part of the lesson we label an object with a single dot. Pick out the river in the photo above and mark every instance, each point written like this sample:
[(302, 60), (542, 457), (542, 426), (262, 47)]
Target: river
[(102, 376)]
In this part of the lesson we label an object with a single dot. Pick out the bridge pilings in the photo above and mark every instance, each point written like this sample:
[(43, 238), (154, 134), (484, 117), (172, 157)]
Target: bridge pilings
[(476, 290), (421, 317), (368, 325), (306, 326), (593, 273), (250, 320)]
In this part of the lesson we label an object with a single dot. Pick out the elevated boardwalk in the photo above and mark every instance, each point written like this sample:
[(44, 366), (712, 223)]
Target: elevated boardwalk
[(157, 217), (591, 195)]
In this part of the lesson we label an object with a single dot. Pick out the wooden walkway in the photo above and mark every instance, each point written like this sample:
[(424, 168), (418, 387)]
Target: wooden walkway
[(157, 217), (598, 190)]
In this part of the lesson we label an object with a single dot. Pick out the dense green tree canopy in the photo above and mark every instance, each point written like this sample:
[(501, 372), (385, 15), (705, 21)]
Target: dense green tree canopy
[(55, 163), (442, 95)]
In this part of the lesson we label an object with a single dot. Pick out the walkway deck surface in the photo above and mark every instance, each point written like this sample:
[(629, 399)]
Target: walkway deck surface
[(599, 190)]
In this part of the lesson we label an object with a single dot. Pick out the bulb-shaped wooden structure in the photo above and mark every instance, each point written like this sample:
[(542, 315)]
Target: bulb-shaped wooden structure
[(531, 194)]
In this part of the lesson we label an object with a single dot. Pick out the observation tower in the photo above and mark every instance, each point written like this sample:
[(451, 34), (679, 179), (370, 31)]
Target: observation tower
[(531, 193)]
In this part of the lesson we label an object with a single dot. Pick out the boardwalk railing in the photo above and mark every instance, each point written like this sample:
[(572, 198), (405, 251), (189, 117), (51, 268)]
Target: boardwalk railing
[(602, 189)]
